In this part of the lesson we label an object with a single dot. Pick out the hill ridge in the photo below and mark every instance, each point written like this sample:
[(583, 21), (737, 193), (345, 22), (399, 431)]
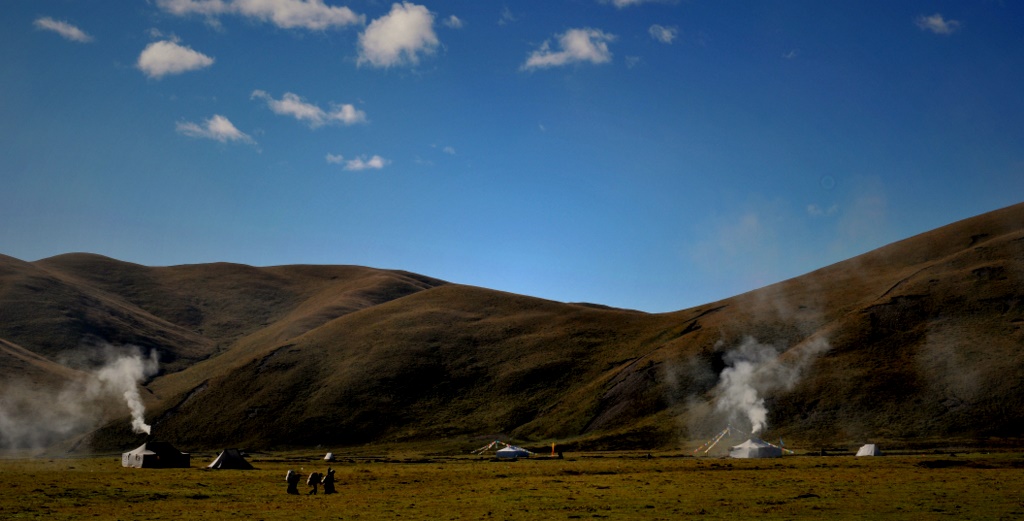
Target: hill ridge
[(918, 339)]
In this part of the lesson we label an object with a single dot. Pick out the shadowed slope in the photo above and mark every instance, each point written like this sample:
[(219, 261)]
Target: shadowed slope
[(453, 359)]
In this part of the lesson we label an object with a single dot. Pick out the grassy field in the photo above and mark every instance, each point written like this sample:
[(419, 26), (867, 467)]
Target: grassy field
[(581, 486)]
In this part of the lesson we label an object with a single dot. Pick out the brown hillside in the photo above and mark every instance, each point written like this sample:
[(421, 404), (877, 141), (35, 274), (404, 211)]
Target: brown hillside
[(924, 340)]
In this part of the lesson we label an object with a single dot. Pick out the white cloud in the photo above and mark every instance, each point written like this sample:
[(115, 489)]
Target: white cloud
[(292, 105), (68, 31), (398, 37), (449, 150), (663, 34), (165, 57), (937, 24), (217, 127), (575, 45), (313, 15), (453, 22), (360, 163), (626, 3), (187, 7)]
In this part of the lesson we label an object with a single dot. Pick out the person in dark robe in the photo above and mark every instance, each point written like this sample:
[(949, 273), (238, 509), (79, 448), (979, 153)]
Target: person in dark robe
[(292, 478), (314, 481), (328, 481)]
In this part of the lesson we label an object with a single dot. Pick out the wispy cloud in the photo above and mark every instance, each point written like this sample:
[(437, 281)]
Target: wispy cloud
[(360, 163), (574, 46), (937, 24), (165, 57), (399, 37), (507, 16), (293, 105), (313, 15), (663, 34), (626, 3), (218, 128), (815, 210), (454, 22), (68, 31)]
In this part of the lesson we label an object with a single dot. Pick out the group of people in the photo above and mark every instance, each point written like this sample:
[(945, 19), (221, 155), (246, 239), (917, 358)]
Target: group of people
[(314, 480)]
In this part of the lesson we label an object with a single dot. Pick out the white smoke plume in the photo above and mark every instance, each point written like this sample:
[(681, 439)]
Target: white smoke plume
[(32, 416), (755, 370), (123, 375)]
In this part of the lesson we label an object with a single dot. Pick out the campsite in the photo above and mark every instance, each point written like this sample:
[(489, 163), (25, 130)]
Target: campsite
[(395, 482)]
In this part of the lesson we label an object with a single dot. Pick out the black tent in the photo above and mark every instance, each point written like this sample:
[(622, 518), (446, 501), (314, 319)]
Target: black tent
[(230, 459), (156, 455)]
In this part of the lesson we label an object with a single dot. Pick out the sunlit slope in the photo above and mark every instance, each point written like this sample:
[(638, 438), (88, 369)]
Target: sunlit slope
[(53, 314), (67, 306)]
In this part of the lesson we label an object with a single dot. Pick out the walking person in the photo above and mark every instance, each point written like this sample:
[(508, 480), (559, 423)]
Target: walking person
[(328, 481), (314, 481), (292, 478)]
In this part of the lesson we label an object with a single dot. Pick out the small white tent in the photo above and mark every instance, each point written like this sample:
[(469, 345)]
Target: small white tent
[(755, 448), (512, 452), (230, 459), (869, 450)]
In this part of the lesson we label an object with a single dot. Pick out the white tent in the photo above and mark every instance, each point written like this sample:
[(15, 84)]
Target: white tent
[(869, 450), (508, 452), (755, 448), (512, 452), (329, 456)]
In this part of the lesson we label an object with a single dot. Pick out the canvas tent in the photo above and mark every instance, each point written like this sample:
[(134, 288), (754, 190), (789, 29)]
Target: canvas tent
[(155, 455), (512, 452), (869, 450), (329, 456), (507, 452), (755, 448), (230, 459)]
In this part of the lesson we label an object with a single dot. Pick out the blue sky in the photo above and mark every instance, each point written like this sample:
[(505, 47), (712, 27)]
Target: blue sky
[(653, 155)]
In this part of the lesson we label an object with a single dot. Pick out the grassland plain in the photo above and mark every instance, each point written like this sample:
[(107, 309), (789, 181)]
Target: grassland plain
[(621, 485)]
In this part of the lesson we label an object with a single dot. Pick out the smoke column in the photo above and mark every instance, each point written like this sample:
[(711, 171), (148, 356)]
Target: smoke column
[(754, 370), (122, 376), (33, 416)]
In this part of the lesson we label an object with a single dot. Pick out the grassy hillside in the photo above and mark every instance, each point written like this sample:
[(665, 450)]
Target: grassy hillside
[(919, 340)]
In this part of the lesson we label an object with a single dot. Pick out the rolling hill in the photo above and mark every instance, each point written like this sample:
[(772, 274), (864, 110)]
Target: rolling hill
[(919, 340)]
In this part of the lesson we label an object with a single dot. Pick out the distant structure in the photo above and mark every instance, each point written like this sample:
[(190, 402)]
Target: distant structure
[(869, 450), (156, 455), (230, 459), (507, 452), (755, 448)]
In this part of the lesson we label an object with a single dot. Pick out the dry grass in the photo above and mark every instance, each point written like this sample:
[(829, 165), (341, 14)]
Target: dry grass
[(582, 486)]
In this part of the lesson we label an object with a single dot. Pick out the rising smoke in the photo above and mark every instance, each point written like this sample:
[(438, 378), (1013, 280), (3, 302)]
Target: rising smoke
[(755, 370), (34, 417), (123, 375)]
